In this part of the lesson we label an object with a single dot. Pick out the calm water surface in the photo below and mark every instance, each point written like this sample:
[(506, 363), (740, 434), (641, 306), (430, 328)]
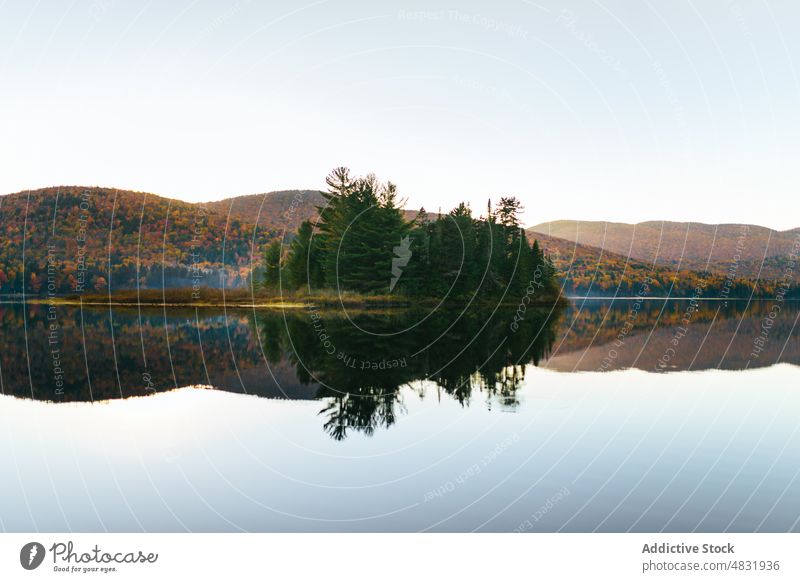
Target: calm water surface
[(624, 416)]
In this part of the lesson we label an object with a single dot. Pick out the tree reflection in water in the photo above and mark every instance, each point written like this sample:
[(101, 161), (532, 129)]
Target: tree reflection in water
[(362, 362), (361, 366)]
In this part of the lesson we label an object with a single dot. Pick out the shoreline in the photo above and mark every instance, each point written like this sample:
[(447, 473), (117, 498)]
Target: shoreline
[(289, 303), (665, 298), (327, 302)]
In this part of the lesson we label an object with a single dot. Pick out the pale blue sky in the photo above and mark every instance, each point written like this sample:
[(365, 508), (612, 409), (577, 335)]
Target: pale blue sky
[(614, 110)]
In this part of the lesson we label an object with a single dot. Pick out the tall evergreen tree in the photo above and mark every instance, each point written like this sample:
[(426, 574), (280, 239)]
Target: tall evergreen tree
[(272, 265), (303, 266), (360, 225), (512, 240), (363, 243), (460, 240), (415, 277), (334, 217), (490, 251)]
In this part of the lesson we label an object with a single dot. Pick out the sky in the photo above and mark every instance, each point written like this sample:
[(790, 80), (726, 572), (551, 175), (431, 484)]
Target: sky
[(615, 110)]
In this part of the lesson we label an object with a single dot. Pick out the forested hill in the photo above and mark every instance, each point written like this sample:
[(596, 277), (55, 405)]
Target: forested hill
[(152, 240), (591, 271), (276, 212), (280, 212), (67, 236), (748, 250)]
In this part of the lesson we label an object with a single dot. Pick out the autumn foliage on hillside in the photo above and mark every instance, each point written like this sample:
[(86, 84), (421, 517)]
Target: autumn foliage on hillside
[(67, 240), (749, 250), (590, 271), (73, 239)]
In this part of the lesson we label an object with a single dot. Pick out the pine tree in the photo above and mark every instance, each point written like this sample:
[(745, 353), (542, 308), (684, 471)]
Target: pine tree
[(460, 239), (512, 238), (333, 219), (359, 225), (416, 275), (490, 251), (303, 266), (272, 265), (363, 243)]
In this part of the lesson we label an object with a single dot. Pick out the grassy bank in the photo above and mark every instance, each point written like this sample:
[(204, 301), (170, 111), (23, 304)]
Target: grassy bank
[(206, 297), (230, 297)]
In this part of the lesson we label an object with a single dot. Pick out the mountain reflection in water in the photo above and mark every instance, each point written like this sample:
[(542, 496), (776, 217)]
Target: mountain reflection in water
[(356, 364)]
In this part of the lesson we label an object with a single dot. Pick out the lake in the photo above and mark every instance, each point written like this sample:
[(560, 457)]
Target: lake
[(631, 415)]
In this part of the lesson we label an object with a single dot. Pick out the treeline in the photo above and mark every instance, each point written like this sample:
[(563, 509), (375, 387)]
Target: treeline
[(361, 242), (93, 277), (592, 271), (612, 275)]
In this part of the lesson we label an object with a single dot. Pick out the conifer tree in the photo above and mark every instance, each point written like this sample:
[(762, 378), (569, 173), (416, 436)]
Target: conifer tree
[(303, 266), (363, 243), (272, 265)]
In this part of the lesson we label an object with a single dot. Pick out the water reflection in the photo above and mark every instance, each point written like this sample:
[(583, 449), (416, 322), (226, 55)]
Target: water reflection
[(356, 364), (676, 336), (360, 362)]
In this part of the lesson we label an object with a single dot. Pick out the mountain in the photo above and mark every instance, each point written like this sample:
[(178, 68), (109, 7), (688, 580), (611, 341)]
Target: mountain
[(280, 211), (73, 239), (720, 337), (592, 271), (742, 249), (275, 212)]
